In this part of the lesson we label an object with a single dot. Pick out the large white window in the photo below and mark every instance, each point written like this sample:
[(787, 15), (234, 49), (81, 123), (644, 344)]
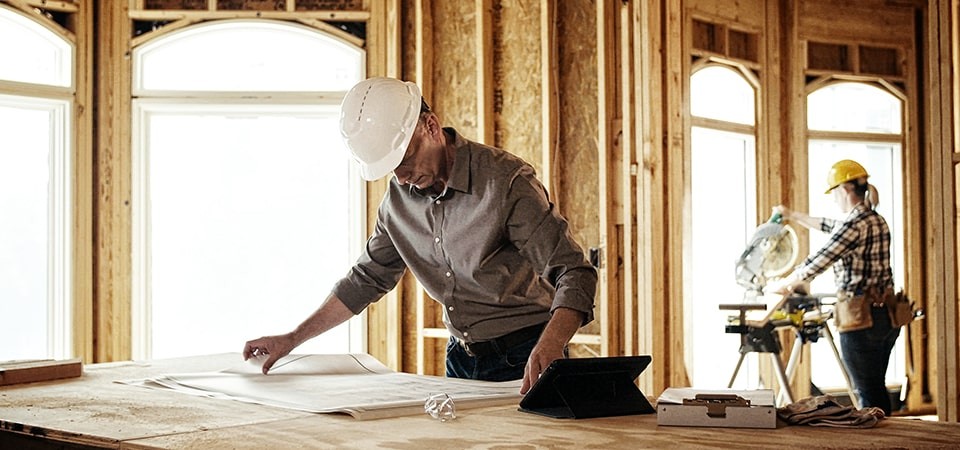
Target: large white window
[(246, 206), (722, 218), (861, 122), (35, 192)]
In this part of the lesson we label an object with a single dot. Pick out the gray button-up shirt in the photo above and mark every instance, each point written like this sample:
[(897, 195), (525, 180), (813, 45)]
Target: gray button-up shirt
[(492, 248)]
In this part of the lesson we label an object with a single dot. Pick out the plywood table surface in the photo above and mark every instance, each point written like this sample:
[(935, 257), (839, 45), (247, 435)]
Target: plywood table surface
[(506, 428), (95, 411)]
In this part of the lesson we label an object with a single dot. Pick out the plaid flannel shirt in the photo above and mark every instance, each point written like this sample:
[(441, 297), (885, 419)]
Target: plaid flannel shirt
[(858, 249)]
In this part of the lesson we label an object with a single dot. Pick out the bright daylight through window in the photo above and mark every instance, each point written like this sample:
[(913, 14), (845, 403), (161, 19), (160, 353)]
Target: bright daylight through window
[(35, 190), (723, 185), (248, 209)]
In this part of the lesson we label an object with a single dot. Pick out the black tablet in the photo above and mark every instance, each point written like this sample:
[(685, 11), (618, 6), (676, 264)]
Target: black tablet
[(589, 387)]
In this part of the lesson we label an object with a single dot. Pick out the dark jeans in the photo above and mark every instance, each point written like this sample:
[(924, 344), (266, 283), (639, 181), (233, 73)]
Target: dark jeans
[(504, 365), (866, 354)]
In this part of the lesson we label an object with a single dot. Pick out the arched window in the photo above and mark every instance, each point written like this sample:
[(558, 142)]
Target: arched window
[(722, 216), (36, 91), (862, 122), (245, 207)]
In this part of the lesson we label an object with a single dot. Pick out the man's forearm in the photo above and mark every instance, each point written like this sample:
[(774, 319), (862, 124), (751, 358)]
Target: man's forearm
[(562, 326), (330, 314)]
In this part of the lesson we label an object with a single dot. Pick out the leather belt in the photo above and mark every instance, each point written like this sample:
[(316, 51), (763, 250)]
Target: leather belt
[(503, 343)]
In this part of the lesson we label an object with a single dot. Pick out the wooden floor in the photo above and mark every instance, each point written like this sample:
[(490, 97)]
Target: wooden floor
[(95, 412)]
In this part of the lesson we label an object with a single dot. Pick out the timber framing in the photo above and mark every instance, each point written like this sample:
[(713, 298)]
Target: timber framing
[(596, 98)]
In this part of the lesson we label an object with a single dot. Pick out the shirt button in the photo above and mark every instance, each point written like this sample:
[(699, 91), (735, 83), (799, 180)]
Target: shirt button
[(448, 274), (438, 202), (436, 239), (465, 334), (450, 308)]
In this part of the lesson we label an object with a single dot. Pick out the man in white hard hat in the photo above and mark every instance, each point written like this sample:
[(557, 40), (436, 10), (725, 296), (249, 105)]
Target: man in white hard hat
[(858, 249), (476, 228)]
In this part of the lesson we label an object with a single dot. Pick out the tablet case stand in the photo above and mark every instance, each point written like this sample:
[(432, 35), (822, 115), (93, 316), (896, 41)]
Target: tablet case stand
[(581, 388)]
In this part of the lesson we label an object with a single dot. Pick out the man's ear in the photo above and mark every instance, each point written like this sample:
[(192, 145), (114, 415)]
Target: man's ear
[(433, 125)]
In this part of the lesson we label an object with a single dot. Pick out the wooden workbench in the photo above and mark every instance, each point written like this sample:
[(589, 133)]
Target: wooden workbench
[(94, 411)]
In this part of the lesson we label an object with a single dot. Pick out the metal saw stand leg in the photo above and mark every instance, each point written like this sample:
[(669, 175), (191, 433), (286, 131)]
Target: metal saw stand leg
[(823, 332), (763, 340)]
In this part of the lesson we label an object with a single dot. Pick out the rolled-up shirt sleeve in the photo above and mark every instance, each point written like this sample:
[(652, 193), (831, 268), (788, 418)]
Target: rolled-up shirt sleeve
[(542, 235), (376, 272)]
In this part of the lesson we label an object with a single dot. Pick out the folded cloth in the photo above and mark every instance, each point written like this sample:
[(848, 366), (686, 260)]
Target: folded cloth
[(825, 411)]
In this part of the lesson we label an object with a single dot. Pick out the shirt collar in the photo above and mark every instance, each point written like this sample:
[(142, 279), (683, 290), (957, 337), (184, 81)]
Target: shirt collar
[(460, 173), (858, 209)]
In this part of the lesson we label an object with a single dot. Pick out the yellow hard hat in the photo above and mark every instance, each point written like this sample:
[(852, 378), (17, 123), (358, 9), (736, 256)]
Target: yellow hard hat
[(843, 171)]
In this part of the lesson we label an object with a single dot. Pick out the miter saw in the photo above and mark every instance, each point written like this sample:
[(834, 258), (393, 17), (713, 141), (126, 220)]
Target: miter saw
[(772, 251)]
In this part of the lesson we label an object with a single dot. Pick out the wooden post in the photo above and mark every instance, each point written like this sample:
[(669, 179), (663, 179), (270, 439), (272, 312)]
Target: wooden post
[(942, 224), (113, 288), (548, 74), (608, 292), (484, 46)]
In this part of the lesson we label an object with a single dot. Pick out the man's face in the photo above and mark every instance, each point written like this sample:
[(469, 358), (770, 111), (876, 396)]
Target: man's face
[(421, 164)]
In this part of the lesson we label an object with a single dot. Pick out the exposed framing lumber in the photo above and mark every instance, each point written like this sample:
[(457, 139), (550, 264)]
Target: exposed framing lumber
[(384, 319), (166, 29), (675, 164), (646, 83), (424, 74), (628, 59), (30, 10), (549, 94), (112, 219), (84, 168), (56, 5), (942, 225), (330, 29), (484, 46), (611, 304), (337, 15)]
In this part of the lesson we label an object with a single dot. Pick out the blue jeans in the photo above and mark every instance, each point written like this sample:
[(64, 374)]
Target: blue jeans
[(866, 354), (504, 365)]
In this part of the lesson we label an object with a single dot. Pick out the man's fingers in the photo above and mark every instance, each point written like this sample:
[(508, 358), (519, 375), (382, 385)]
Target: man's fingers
[(268, 364)]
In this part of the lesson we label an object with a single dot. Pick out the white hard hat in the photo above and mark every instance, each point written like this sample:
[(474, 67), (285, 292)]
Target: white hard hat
[(377, 119)]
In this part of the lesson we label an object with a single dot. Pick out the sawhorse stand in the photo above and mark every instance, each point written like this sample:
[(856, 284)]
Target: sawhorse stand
[(758, 340), (812, 328), (763, 338)]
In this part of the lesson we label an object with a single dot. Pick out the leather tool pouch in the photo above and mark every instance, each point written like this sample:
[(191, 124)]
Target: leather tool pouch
[(900, 309), (852, 313)]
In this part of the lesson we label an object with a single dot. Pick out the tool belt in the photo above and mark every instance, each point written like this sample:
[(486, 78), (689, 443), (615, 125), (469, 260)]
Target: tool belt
[(503, 343), (854, 312)]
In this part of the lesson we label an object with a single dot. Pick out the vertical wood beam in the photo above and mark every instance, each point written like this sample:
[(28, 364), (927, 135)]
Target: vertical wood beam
[(83, 279), (384, 318), (942, 224), (670, 270), (629, 86), (424, 47), (112, 219), (484, 46), (611, 305), (650, 41), (424, 74), (549, 94)]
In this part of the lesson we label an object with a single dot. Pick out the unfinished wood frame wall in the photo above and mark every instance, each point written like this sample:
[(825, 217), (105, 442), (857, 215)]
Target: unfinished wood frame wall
[(495, 78), (941, 216)]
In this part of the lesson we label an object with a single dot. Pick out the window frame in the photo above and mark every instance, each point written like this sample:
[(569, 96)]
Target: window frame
[(721, 126), (60, 101), (145, 101)]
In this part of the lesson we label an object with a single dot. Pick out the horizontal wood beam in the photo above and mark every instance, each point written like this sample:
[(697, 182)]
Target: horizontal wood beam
[(341, 16)]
